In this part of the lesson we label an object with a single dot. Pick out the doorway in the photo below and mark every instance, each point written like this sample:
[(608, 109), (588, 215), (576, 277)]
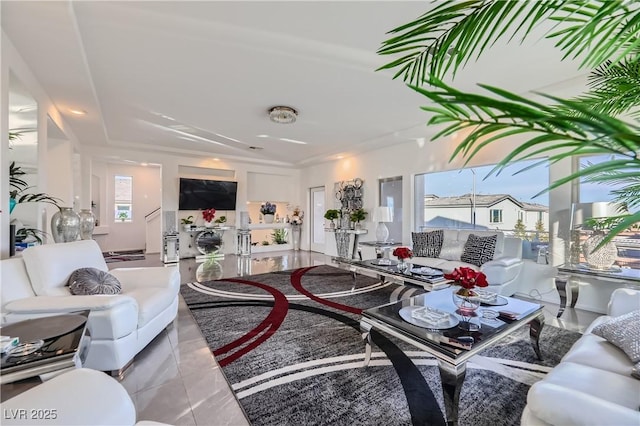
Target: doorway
[(317, 209)]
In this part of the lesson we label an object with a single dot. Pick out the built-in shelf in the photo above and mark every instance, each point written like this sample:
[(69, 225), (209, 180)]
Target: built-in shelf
[(274, 225)]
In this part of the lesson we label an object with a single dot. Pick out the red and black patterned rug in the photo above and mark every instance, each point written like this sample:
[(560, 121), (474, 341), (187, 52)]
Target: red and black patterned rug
[(290, 345)]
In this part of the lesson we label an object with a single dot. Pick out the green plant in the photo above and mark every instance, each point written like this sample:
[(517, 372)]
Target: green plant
[(279, 236), (221, 219), (19, 186), (331, 214), (358, 215), (265, 243), (187, 220), (122, 216), (603, 32)]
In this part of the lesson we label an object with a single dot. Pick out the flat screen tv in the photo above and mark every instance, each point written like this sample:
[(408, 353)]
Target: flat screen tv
[(199, 194)]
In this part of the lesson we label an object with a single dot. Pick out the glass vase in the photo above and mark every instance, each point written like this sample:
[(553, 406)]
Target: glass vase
[(65, 225), (87, 224), (403, 266), (466, 306)]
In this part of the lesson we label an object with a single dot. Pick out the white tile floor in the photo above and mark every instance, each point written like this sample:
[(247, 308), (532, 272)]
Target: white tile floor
[(176, 379)]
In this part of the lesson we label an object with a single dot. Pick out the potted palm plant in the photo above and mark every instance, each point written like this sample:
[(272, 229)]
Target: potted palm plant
[(357, 216), (603, 33), (332, 214)]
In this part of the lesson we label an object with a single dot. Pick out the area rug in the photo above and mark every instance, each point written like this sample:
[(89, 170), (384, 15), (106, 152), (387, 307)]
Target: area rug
[(290, 345), (123, 256)]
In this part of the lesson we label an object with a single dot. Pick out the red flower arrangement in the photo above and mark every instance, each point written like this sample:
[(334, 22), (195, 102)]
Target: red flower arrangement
[(402, 253), (208, 214), (467, 278)]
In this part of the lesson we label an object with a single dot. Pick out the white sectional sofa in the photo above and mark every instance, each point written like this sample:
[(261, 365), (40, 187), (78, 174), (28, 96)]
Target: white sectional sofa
[(502, 271), (78, 397), (120, 325), (592, 385)]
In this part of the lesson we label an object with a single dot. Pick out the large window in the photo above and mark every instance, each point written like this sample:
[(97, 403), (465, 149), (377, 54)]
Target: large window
[(470, 199), (123, 198), (628, 242)]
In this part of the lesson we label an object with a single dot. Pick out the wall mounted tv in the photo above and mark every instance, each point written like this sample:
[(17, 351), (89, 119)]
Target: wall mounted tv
[(199, 194)]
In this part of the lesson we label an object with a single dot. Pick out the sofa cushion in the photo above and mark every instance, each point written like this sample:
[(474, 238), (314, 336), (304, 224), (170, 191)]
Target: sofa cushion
[(451, 247), (479, 250), (594, 351), (427, 244), (151, 302), (49, 266), (93, 281), (624, 332)]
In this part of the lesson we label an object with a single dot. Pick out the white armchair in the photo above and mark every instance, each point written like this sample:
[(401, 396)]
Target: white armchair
[(120, 325)]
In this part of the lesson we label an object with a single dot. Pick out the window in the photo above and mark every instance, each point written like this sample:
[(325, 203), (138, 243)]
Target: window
[(495, 216), (628, 242), (391, 196), (123, 195)]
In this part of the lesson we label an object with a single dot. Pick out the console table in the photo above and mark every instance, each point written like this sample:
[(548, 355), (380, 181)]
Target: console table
[(571, 273), (343, 237)]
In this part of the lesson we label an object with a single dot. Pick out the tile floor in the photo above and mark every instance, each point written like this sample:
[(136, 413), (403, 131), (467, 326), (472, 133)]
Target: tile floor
[(177, 380)]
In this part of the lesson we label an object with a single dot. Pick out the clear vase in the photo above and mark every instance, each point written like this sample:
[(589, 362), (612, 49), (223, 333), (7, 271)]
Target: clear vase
[(466, 305), (87, 224), (65, 225), (403, 266)]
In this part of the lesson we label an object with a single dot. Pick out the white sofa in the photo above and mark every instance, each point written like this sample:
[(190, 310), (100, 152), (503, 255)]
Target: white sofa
[(78, 397), (592, 385), (502, 272), (120, 325)]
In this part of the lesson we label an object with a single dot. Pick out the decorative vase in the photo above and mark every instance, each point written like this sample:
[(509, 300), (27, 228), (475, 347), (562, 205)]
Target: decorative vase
[(602, 258), (65, 225), (332, 225), (403, 266), (268, 218), (466, 305), (87, 224)]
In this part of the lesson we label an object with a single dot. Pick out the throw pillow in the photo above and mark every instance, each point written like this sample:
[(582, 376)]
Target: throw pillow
[(479, 250), (427, 244), (624, 332), (87, 281)]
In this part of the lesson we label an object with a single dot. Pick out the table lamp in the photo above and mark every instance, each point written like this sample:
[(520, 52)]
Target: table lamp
[(381, 215)]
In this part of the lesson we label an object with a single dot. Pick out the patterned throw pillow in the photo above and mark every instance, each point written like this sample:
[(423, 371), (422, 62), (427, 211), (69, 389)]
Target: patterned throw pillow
[(624, 332), (88, 281), (427, 244), (479, 250)]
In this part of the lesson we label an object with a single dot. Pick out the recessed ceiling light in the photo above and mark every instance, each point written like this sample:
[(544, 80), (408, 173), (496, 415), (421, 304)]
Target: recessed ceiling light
[(144, 164), (340, 157), (77, 112), (262, 136), (293, 141), (216, 159)]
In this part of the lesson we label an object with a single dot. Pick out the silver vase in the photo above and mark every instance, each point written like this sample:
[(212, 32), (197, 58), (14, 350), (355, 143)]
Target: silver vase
[(65, 225), (87, 224)]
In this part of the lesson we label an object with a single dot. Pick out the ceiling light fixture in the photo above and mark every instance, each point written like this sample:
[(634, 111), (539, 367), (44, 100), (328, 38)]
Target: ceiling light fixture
[(283, 114), (77, 112), (262, 136)]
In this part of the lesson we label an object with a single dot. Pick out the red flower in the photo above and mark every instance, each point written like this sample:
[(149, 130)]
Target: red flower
[(467, 277), (208, 214), (402, 252)]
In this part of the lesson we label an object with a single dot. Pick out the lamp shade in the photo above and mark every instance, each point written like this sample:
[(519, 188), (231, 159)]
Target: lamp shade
[(382, 214), (580, 212)]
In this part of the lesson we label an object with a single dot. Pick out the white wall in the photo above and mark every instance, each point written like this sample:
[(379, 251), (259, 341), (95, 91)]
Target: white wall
[(146, 198)]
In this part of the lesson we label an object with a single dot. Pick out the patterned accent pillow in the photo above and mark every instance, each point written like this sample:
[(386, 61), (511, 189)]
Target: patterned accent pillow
[(427, 244), (88, 281), (623, 332), (479, 250)]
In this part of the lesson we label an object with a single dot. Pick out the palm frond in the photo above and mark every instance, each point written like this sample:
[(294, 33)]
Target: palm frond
[(449, 35)]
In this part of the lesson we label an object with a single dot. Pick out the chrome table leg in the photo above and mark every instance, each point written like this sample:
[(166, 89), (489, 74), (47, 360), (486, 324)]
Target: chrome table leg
[(366, 336), (452, 377), (535, 328)]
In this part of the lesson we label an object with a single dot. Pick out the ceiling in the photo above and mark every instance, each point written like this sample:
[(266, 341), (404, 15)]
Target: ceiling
[(197, 78)]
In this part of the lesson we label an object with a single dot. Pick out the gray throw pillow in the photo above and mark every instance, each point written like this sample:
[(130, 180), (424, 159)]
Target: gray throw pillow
[(624, 332), (479, 250), (427, 244), (87, 281)]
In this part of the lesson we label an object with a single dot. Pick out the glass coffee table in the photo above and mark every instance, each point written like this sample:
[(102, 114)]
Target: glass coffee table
[(427, 278), (442, 338), (47, 345)]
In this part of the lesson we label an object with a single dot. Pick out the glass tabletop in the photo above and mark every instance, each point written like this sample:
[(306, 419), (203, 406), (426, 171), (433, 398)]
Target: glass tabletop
[(441, 339)]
